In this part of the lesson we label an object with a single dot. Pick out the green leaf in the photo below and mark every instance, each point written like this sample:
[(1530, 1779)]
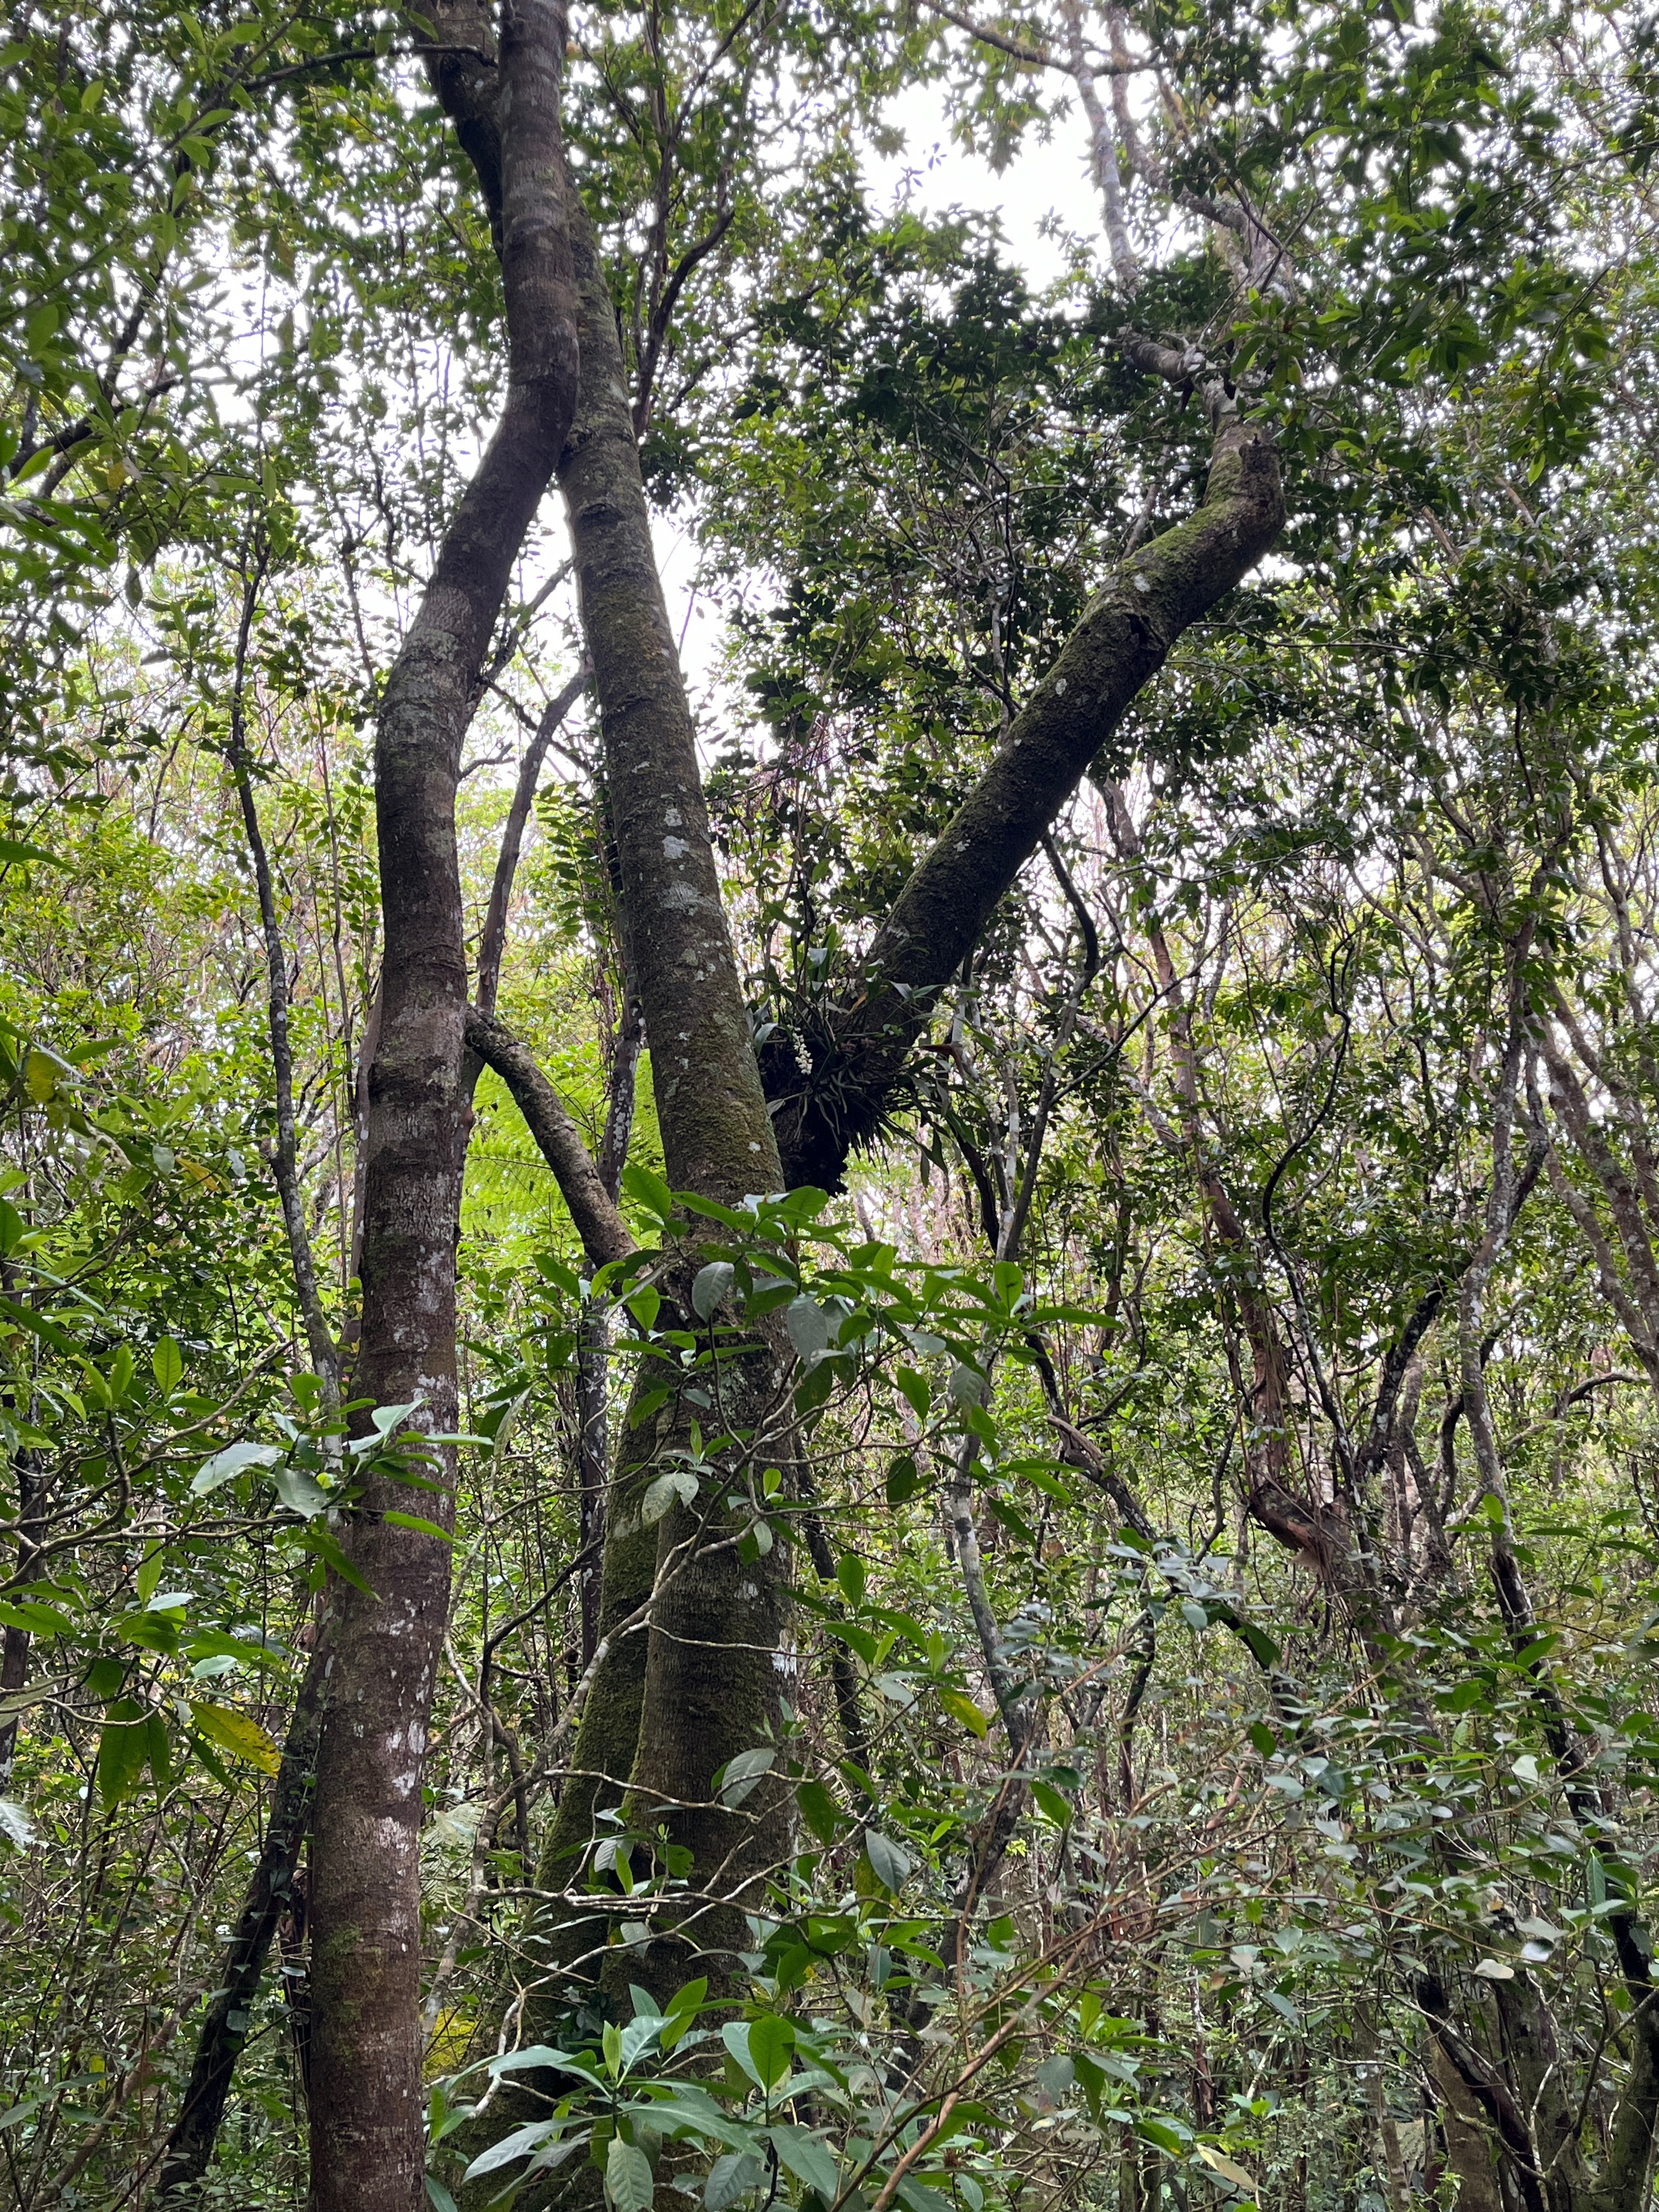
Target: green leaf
[(16, 849), (743, 1775), (819, 1810), (809, 1328), (850, 1574), (300, 1493), (230, 1462), (421, 1528), (771, 2039), (733, 2175), (889, 1864), (734, 2034), (520, 2144), (916, 1389), (902, 1479), (679, 1483), (168, 1366), (123, 1751), (648, 1191), (710, 1285), (629, 2183), (1051, 1803), (1260, 1645), (38, 1620), (808, 2157), (1054, 2077), (815, 1387), (38, 1325), (682, 2011)]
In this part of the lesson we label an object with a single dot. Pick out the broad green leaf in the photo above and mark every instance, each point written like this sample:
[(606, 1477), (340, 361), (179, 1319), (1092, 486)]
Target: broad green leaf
[(742, 1775), (519, 2144), (648, 1190), (628, 2183), (231, 1460), (300, 1493), (123, 1751), (678, 1483), (889, 1863), (819, 1810), (771, 2039), (733, 2175), (808, 2157)]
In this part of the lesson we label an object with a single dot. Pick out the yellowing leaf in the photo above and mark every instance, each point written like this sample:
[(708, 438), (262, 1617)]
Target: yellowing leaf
[(1235, 2175), (964, 1709), (237, 1734)]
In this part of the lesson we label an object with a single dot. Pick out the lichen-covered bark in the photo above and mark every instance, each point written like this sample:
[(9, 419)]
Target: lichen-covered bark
[(667, 1711), (1124, 638), (717, 1135), (366, 2105)]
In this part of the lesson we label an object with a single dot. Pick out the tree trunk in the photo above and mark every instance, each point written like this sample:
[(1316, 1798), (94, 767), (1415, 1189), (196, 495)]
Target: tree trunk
[(15, 1647), (1469, 2142), (268, 1897), (670, 1708), (366, 2107)]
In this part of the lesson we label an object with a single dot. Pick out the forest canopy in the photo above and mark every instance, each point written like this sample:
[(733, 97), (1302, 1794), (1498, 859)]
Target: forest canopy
[(863, 1417)]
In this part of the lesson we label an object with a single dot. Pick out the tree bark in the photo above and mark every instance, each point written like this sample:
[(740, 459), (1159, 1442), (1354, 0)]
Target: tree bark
[(268, 1896), (15, 1644), (366, 2107), (667, 1711), (1468, 2147), (593, 1344)]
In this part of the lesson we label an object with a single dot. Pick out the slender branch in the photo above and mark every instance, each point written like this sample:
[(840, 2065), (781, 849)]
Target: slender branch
[(603, 1233), (283, 1156), (493, 943)]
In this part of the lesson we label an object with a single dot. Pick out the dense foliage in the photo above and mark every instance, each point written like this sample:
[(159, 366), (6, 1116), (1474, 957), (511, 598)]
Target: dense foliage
[(1212, 1438)]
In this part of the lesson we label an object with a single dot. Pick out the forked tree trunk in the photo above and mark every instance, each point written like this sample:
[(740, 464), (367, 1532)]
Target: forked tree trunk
[(366, 2107), (666, 1723)]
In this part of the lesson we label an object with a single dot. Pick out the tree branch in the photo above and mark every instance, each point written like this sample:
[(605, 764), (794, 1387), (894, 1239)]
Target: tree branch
[(603, 1233), (859, 1050)]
